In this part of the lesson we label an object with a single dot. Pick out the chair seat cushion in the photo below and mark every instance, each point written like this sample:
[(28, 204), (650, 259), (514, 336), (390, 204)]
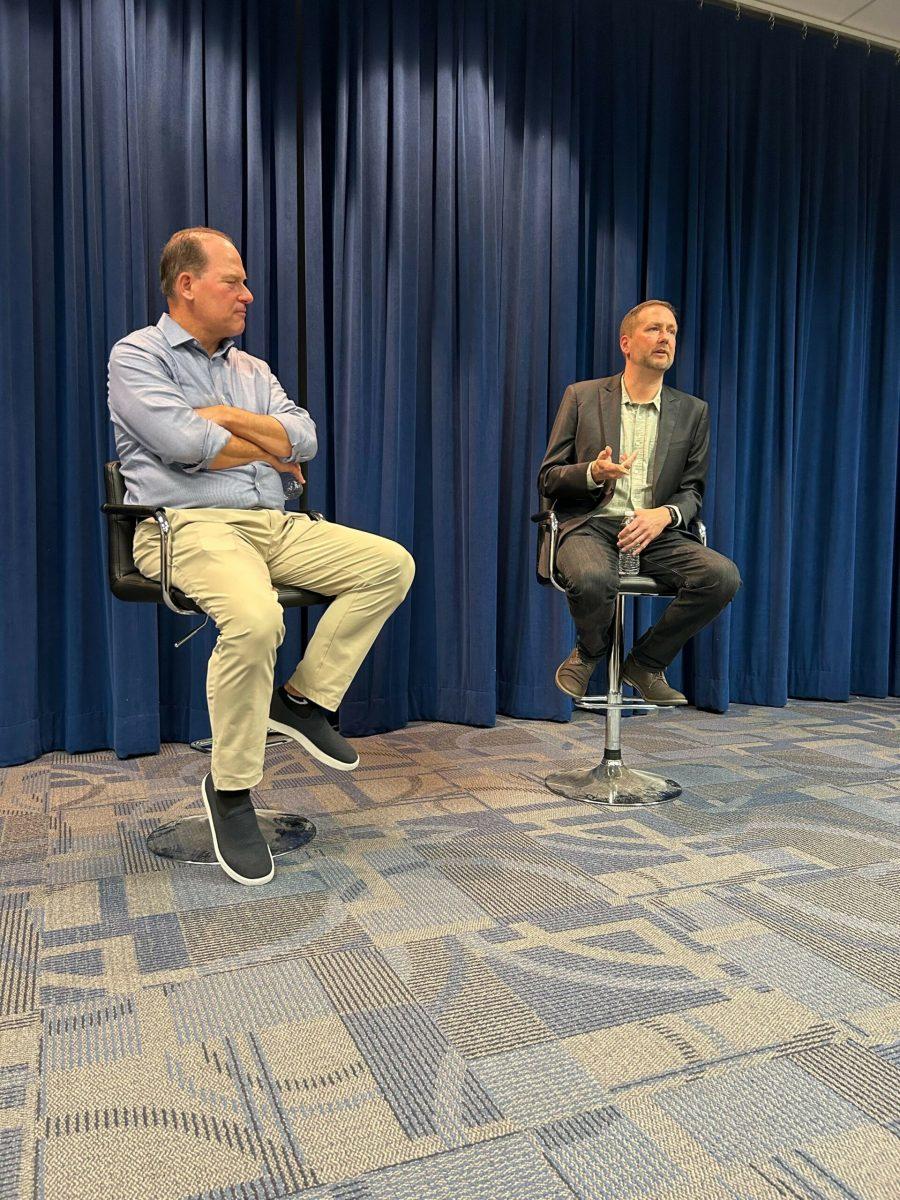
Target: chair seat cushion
[(643, 585), (137, 587)]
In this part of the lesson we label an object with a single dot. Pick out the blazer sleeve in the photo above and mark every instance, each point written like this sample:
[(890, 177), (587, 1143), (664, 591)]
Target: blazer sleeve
[(560, 478), (689, 497)]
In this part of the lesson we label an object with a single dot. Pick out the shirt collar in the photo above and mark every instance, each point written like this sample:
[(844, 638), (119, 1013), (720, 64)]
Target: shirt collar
[(175, 335), (656, 402)]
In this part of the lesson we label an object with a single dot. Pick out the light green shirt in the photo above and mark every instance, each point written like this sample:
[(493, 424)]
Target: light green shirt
[(640, 426), (638, 431)]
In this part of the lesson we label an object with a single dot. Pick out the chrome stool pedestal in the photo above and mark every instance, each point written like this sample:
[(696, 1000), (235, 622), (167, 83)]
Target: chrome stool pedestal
[(611, 782)]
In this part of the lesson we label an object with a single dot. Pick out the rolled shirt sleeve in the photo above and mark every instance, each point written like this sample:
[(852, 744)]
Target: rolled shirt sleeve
[(296, 421), (147, 403)]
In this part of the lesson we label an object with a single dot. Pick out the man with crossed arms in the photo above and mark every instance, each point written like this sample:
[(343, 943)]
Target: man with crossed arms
[(205, 430), (622, 447)]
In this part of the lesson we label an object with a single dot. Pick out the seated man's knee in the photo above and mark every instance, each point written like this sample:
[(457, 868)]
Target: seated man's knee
[(725, 579), (400, 568), (259, 628), (594, 583)]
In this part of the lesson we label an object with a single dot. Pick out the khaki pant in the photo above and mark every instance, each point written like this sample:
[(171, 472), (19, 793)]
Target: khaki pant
[(227, 560)]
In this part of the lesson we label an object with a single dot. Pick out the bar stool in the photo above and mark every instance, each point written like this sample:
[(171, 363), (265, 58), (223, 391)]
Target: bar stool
[(611, 782), (187, 839)]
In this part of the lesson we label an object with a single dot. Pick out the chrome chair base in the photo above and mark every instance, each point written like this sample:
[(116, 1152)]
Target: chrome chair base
[(613, 784), (189, 839)]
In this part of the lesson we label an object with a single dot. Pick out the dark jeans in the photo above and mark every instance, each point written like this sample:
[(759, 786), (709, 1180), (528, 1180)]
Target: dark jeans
[(588, 563)]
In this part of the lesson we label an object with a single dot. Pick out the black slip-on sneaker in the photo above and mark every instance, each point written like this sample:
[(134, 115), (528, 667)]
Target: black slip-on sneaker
[(241, 849), (307, 723)]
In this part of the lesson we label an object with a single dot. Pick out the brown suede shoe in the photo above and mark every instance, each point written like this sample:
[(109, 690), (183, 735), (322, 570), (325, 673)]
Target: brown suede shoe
[(651, 685), (573, 675)]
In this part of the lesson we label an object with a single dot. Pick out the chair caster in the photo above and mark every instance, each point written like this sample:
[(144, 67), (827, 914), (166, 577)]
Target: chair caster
[(613, 784)]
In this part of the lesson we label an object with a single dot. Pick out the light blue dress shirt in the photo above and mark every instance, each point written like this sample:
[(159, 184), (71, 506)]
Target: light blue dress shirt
[(157, 377)]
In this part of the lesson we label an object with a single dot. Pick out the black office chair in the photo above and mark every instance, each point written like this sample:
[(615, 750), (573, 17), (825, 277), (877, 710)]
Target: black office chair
[(187, 839), (611, 782)]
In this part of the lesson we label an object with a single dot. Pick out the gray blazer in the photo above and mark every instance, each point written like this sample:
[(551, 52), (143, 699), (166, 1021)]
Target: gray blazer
[(589, 418)]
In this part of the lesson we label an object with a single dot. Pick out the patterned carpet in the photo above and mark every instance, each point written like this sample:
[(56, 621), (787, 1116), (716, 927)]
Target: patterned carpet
[(466, 988)]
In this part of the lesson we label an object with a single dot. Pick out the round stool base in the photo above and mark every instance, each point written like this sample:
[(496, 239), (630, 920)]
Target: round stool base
[(189, 839), (614, 784)]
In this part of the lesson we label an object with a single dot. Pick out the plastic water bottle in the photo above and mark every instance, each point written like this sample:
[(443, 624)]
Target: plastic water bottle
[(629, 563)]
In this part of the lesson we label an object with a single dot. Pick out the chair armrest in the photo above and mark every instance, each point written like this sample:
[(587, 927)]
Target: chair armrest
[(549, 523), (141, 512), (137, 512)]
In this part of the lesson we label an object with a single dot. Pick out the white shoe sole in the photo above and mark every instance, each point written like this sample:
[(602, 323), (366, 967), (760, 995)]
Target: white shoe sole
[(311, 747), (230, 871)]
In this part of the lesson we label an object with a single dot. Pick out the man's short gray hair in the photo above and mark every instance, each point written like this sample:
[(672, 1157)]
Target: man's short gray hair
[(626, 329), (184, 252)]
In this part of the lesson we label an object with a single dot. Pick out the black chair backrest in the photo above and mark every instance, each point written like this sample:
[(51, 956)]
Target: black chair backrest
[(121, 529), (125, 580)]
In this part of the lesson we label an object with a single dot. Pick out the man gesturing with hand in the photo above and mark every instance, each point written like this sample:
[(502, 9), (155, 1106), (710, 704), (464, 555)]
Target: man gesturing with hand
[(629, 449), (206, 431)]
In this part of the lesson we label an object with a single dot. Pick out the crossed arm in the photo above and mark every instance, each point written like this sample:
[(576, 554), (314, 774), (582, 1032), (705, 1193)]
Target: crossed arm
[(150, 405), (254, 438)]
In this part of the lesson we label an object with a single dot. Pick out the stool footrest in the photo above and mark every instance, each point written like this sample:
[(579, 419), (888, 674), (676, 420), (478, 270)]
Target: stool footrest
[(603, 704), (611, 783), (204, 745)]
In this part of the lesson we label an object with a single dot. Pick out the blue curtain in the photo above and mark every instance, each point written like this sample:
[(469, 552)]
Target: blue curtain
[(120, 122), (486, 187)]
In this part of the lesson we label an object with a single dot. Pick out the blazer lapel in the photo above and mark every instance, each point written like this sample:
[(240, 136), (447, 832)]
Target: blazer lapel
[(611, 414), (669, 404)]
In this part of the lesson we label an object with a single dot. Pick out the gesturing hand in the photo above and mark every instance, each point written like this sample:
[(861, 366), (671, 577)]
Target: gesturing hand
[(647, 525), (603, 466)]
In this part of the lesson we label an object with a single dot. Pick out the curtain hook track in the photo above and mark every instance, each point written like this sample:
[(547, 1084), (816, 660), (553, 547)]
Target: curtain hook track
[(834, 42), (771, 20), (737, 10), (805, 30)]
